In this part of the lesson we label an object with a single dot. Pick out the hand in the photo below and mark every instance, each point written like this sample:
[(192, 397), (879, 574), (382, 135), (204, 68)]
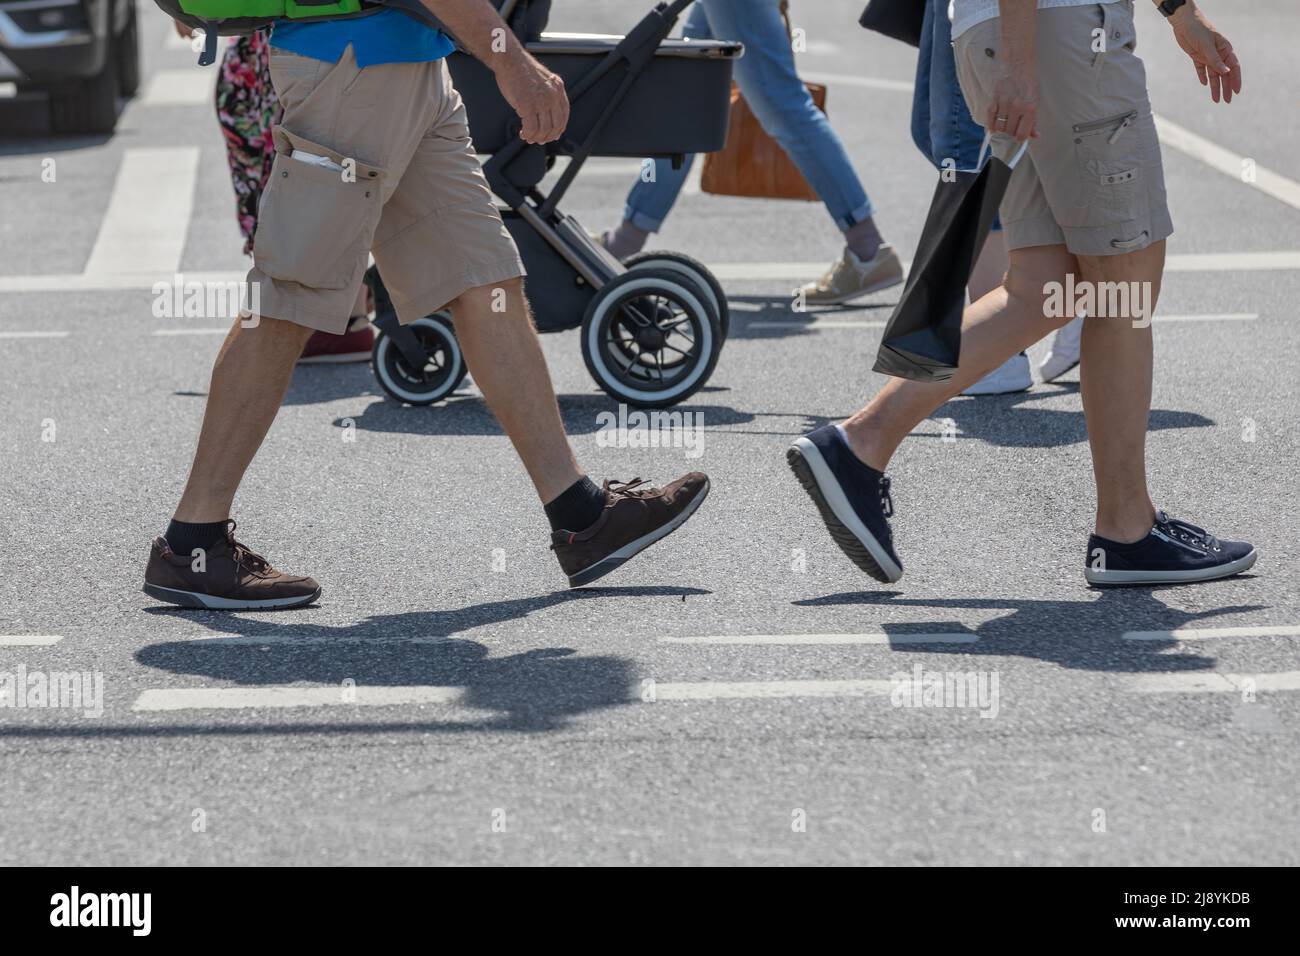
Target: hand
[(1216, 64), (182, 30), (537, 95), (1014, 109)]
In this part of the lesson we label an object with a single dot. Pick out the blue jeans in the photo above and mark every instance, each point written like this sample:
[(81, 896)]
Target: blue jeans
[(942, 127), (766, 76)]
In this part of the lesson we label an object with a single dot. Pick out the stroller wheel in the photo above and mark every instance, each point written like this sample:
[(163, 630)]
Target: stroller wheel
[(443, 370), (650, 338), (692, 268)]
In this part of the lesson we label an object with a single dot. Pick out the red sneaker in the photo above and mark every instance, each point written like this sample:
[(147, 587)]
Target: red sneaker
[(325, 347)]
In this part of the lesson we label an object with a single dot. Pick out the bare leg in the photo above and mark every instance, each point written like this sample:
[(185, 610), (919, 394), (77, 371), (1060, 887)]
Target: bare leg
[(505, 358), (1000, 324), (249, 379), (990, 268), (1115, 373)]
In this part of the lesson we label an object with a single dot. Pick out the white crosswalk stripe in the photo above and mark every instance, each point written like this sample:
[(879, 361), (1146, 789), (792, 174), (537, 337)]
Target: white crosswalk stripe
[(29, 640), (148, 215), (180, 87), (1212, 633)]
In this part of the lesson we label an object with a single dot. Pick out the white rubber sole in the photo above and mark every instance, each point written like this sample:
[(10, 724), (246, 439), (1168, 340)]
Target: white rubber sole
[(612, 561), (210, 602), (834, 499), (1111, 578)]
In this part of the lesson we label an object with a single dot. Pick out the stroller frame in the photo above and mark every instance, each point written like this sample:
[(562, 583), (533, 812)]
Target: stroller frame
[(514, 173)]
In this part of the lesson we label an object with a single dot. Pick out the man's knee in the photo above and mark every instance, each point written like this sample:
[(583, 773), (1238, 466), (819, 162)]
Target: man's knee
[(1038, 276), (1145, 264), (496, 298)]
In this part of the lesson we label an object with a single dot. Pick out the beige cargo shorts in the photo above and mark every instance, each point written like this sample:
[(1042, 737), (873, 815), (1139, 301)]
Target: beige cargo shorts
[(1093, 179), (395, 175)]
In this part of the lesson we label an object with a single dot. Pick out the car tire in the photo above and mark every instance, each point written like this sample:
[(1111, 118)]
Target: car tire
[(87, 106), (128, 56)]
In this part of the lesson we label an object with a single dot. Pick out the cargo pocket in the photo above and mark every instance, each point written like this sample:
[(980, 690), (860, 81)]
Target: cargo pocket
[(315, 223), (1110, 156)]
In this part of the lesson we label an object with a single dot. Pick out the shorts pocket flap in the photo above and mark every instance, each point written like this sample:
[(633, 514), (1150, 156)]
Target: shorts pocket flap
[(288, 142), (316, 222)]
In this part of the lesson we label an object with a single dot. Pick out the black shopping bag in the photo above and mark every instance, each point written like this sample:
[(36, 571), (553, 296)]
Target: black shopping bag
[(922, 339)]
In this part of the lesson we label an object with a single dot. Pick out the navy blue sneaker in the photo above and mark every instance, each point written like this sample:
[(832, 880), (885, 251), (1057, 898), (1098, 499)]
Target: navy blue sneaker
[(853, 499), (1173, 552)]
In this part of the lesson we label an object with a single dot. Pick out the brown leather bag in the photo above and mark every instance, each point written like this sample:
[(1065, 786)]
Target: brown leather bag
[(752, 163)]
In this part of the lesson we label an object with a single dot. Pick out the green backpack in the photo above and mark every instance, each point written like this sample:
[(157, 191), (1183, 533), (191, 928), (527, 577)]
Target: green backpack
[(235, 17)]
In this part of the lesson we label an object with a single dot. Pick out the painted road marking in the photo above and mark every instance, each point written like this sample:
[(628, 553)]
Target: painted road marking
[(242, 698), (816, 324), (771, 689), (236, 698), (880, 324), (180, 88), (29, 640), (148, 214), (824, 639), (1211, 633), (283, 697), (1199, 262), (134, 277), (34, 335), (1209, 682), (124, 281), (1227, 162)]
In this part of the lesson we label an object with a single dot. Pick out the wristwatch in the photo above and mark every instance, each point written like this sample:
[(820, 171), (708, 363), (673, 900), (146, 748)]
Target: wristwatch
[(1170, 7)]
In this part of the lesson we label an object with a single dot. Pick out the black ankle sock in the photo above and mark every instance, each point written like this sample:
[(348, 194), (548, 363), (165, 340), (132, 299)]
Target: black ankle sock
[(577, 508), (183, 537)]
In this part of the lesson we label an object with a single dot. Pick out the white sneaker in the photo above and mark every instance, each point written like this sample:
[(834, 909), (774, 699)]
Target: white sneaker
[(1064, 353), (1013, 375)]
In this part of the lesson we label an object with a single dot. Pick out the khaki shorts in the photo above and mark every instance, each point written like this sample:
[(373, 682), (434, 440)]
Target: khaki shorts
[(1093, 179), (411, 192)]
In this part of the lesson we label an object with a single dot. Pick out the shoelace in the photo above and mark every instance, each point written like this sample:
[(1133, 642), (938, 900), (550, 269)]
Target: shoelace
[(630, 489), (886, 501), (245, 557), (1187, 532)]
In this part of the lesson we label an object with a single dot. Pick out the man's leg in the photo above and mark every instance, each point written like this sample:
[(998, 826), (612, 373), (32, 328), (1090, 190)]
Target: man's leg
[(199, 564), (1002, 323), (505, 358), (249, 380), (1115, 373)]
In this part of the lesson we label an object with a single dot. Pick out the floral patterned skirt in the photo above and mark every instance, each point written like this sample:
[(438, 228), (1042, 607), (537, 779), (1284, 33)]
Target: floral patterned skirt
[(247, 109)]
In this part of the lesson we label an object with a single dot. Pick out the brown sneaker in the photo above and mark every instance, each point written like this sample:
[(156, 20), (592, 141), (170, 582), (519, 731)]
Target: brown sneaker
[(232, 578), (635, 517), (849, 277)]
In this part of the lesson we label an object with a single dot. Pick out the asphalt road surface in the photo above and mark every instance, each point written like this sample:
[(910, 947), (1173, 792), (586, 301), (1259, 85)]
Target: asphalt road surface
[(729, 697)]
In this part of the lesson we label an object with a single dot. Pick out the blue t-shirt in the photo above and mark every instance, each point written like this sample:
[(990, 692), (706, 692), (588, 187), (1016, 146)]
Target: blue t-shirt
[(389, 36)]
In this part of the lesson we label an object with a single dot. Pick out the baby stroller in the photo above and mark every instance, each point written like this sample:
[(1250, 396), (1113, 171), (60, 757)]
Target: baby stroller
[(653, 326)]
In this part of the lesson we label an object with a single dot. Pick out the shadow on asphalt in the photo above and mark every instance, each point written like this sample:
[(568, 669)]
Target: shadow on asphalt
[(1013, 421), (1080, 635), (534, 691), (753, 323), (470, 415)]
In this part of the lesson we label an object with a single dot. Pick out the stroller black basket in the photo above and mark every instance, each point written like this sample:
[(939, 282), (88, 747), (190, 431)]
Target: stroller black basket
[(678, 105)]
